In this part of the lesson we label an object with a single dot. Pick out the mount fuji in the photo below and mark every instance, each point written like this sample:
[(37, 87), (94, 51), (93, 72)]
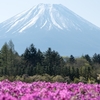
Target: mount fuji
[(54, 26)]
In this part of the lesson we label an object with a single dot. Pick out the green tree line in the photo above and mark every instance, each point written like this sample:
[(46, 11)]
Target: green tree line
[(34, 62)]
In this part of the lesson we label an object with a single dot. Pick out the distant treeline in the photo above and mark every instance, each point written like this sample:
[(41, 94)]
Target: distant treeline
[(34, 62)]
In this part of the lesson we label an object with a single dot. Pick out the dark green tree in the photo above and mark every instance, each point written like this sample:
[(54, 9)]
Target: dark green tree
[(53, 62), (99, 58), (87, 57), (40, 57), (11, 57), (72, 59), (95, 58), (33, 55), (4, 58)]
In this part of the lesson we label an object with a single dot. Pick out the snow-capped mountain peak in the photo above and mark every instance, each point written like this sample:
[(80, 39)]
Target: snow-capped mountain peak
[(44, 24), (47, 17)]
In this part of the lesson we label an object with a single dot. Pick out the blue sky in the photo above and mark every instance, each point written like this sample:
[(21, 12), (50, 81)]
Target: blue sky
[(88, 9)]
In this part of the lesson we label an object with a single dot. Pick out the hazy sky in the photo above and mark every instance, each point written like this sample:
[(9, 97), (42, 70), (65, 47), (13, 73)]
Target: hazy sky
[(88, 9)]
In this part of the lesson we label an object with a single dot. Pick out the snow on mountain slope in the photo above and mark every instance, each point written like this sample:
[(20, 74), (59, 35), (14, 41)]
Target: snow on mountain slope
[(51, 25), (55, 16)]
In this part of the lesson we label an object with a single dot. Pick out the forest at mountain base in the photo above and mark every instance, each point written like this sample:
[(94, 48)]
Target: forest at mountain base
[(34, 65)]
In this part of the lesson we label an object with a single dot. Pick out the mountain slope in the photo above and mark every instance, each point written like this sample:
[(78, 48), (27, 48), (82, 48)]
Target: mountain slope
[(52, 26)]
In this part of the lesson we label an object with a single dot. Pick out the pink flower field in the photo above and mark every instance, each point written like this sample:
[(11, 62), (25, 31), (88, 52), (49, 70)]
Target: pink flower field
[(18, 90)]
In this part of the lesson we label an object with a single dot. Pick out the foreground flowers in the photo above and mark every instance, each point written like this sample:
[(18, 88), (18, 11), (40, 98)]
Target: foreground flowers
[(48, 91)]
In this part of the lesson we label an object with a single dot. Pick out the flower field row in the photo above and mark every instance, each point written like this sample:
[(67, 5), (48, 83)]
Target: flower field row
[(18, 90)]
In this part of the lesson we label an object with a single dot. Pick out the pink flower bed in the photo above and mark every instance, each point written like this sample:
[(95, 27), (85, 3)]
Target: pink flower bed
[(48, 91)]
